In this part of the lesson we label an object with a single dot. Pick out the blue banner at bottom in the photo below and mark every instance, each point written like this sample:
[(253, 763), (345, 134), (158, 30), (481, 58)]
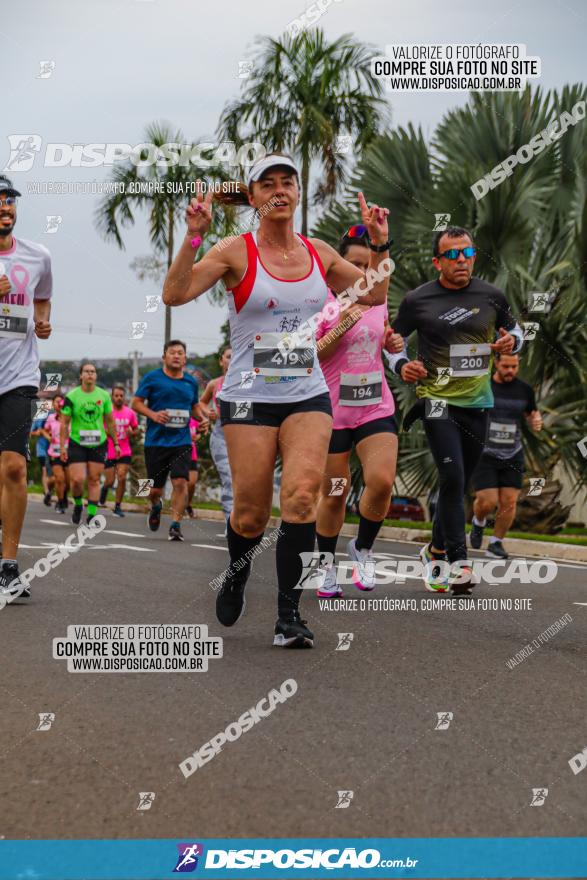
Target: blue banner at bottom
[(303, 858)]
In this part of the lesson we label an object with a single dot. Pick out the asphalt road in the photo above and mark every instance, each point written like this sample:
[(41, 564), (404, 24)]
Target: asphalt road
[(362, 720)]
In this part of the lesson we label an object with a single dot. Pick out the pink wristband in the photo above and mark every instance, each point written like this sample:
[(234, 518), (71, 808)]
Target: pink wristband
[(196, 242)]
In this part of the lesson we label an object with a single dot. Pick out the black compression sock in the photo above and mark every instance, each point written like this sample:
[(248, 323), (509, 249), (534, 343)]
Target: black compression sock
[(368, 531), (327, 544), (103, 494), (238, 546), (295, 538)]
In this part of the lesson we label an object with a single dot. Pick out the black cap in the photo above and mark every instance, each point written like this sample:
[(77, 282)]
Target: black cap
[(6, 186)]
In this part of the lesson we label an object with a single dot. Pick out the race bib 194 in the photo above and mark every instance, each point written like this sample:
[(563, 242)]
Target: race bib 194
[(360, 389), (469, 360)]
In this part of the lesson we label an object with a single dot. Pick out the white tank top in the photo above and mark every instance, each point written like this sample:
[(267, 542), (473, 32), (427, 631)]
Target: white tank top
[(262, 310)]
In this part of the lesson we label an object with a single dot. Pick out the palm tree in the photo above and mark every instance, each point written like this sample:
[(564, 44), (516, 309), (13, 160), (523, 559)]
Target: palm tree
[(530, 233), (302, 94), (165, 204)]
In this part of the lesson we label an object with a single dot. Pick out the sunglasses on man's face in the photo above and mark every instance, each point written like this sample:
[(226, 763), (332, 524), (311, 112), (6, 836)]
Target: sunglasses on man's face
[(453, 253), (8, 200)]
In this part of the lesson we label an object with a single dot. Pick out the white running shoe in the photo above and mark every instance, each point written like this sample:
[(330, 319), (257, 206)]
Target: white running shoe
[(329, 588), (435, 575), (364, 568), (462, 578)]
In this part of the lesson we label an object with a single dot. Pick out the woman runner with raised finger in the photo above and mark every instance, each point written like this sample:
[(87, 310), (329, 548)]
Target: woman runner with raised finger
[(274, 399), (349, 350)]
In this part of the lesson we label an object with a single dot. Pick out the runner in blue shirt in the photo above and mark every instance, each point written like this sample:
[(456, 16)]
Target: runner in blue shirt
[(168, 397)]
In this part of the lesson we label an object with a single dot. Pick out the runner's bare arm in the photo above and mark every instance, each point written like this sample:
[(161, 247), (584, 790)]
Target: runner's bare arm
[(208, 392), (345, 279), (139, 406), (111, 427), (42, 313), (63, 434), (534, 420), (187, 280)]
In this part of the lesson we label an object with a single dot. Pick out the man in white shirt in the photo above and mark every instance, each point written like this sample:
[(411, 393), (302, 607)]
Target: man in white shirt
[(25, 307)]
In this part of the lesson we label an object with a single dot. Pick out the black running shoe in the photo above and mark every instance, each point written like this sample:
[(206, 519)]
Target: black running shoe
[(76, 516), (230, 601), (47, 499), (292, 632), (496, 550), (90, 517), (475, 536), (118, 510), (9, 583), (155, 518), (175, 533)]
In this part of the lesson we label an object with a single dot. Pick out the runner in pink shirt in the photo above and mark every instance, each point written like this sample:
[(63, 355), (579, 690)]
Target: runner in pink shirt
[(127, 426), (363, 415), (51, 430)]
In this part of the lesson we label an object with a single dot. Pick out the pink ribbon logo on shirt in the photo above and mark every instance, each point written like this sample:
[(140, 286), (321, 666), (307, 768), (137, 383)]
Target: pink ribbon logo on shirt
[(20, 278)]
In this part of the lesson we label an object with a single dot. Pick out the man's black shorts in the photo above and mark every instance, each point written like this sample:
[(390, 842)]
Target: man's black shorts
[(112, 462), (162, 461), (499, 473), (342, 439), (16, 417), (77, 454), (271, 415)]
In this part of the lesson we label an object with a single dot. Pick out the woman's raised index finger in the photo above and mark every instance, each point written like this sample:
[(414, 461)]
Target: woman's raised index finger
[(363, 205)]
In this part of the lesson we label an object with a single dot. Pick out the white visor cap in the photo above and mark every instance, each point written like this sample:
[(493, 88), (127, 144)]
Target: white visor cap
[(267, 162)]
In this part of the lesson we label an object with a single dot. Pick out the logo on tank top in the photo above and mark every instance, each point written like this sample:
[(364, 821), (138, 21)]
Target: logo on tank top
[(364, 347), (271, 303)]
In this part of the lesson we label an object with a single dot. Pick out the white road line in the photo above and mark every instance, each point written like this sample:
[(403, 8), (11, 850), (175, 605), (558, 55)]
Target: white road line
[(60, 522), (128, 534), (210, 547), (120, 547), (50, 544)]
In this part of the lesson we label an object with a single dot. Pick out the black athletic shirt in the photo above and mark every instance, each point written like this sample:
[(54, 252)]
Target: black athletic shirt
[(504, 427), (454, 330)]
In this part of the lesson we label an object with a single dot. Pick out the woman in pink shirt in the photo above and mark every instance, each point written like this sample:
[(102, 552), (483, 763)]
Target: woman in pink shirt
[(51, 431), (363, 412), (194, 466)]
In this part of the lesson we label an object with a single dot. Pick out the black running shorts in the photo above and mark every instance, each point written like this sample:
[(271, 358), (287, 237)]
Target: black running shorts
[(164, 461), (343, 438), (271, 415), (499, 473), (78, 454), (16, 417), (111, 462)]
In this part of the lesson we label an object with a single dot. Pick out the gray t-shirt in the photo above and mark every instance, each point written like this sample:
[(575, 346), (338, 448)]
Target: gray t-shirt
[(28, 268)]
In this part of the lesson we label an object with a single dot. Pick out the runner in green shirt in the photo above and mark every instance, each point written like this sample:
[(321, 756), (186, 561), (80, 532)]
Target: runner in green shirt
[(86, 409)]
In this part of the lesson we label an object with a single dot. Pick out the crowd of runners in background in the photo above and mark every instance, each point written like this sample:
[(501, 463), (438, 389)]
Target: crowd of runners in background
[(308, 398)]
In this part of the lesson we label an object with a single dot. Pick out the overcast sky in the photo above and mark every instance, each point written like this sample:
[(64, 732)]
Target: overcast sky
[(121, 64)]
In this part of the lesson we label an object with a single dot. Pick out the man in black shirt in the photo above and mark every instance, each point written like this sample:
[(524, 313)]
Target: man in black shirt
[(461, 322), (498, 477)]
